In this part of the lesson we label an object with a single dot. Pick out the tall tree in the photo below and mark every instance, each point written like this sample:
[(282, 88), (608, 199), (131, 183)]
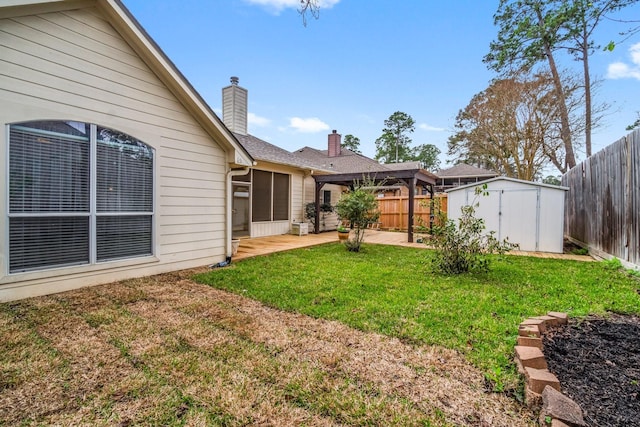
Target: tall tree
[(511, 127), (530, 31), (427, 155), (393, 145), (352, 143), (582, 19)]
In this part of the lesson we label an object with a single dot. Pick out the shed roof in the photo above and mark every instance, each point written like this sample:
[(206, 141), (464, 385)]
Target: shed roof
[(508, 179)]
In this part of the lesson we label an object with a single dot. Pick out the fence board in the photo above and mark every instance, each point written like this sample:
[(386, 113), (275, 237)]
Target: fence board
[(602, 208), (394, 209)]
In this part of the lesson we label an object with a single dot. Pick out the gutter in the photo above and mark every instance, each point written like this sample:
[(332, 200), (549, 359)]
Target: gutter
[(228, 236)]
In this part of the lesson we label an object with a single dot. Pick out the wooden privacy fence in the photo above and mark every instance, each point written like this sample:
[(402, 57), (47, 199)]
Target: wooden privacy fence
[(602, 208), (394, 209)]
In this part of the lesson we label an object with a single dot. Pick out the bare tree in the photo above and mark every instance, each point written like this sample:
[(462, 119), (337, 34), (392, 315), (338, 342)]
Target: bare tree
[(312, 7), (512, 127)]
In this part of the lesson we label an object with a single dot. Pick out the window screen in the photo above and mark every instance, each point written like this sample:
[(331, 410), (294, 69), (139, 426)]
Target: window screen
[(51, 195)]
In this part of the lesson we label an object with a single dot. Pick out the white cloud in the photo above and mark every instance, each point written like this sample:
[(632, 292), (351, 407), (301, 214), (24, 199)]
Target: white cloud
[(430, 128), (310, 125), (620, 70), (255, 120), (278, 6)]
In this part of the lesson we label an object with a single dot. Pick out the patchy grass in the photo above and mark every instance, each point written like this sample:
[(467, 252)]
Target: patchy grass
[(384, 342), (165, 350), (390, 290)]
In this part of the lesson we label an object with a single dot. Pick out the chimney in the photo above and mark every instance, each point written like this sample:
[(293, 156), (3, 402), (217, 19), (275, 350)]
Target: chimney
[(234, 107), (334, 144)]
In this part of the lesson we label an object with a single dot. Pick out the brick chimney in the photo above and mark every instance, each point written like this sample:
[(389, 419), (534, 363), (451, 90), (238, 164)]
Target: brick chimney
[(334, 144), (234, 107)]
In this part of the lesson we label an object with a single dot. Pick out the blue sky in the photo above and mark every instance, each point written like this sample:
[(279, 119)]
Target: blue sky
[(359, 63)]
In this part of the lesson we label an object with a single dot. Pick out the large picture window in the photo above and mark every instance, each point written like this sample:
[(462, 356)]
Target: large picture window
[(270, 200), (78, 194)]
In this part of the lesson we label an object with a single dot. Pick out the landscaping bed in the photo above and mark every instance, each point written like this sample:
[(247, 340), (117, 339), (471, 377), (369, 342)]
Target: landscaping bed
[(597, 361)]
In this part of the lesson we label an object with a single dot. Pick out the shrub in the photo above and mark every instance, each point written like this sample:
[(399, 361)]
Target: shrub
[(465, 247), (360, 208)]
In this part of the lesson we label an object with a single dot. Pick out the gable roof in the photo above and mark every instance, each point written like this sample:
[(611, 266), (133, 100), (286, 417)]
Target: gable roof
[(463, 170), (149, 52), (346, 162), (264, 151)]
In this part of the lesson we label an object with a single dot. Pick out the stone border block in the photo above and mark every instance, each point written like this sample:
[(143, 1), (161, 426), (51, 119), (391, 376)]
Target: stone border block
[(563, 318), (532, 321), (530, 342), (531, 357), (529, 331)]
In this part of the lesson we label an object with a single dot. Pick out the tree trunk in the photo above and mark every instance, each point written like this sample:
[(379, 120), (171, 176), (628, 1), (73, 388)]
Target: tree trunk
[(587, 92), (565, 128)]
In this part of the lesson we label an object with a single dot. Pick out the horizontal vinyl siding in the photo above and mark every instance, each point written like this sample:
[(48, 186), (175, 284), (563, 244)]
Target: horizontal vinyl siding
[(74, 66)]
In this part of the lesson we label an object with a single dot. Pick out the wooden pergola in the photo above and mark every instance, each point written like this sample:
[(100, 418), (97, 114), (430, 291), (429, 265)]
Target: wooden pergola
[(410, 178)]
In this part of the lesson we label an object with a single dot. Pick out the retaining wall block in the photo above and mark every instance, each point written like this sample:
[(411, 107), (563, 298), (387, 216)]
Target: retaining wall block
[(538, 379), (529, 331), (537, 322), (563, 318), (530, 342), (531, 357)]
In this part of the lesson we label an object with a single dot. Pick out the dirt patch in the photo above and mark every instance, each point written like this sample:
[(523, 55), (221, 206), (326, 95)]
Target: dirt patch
[(598, 364)]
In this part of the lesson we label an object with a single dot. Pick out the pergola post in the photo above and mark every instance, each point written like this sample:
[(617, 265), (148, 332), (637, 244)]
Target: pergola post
[(412, 198), (316, 225)]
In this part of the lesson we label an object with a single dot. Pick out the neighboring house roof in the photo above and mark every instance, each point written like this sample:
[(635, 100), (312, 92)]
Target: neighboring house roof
[(264, 151), (404, 165), (129, 28), (463, 170), (346, 162)]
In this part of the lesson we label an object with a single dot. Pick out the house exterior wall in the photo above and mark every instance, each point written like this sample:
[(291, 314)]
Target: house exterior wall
[(526, 213), (73, 65)]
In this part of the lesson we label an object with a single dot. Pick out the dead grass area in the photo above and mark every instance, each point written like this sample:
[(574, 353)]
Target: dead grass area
[(167, 351)]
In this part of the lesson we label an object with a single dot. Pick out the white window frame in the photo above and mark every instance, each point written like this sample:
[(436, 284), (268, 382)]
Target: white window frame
[(93, 213)]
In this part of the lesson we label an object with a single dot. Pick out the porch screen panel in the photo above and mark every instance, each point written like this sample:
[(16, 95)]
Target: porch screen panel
[(261, 196), (48, 195), (280, 197)]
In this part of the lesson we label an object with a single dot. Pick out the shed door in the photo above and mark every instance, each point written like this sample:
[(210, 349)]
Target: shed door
[(512, 214), (519, 218)]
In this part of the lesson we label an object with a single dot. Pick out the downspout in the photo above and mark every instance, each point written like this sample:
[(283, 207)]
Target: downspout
[(230, 174)]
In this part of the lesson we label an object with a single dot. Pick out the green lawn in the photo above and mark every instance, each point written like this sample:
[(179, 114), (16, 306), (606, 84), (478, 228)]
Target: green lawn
[(391, 290)]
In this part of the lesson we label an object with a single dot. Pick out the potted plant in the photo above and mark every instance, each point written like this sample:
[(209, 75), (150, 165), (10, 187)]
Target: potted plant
[(343, 232)]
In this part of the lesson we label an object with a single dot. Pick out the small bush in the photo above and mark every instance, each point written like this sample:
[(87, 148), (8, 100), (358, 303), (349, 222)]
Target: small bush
[(465, 247), (360, 208)]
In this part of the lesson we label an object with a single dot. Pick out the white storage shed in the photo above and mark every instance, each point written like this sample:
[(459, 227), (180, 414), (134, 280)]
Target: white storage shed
[(528, 213)]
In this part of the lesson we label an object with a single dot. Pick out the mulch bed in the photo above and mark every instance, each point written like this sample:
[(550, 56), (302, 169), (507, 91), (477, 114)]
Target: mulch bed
[(598, 364)]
